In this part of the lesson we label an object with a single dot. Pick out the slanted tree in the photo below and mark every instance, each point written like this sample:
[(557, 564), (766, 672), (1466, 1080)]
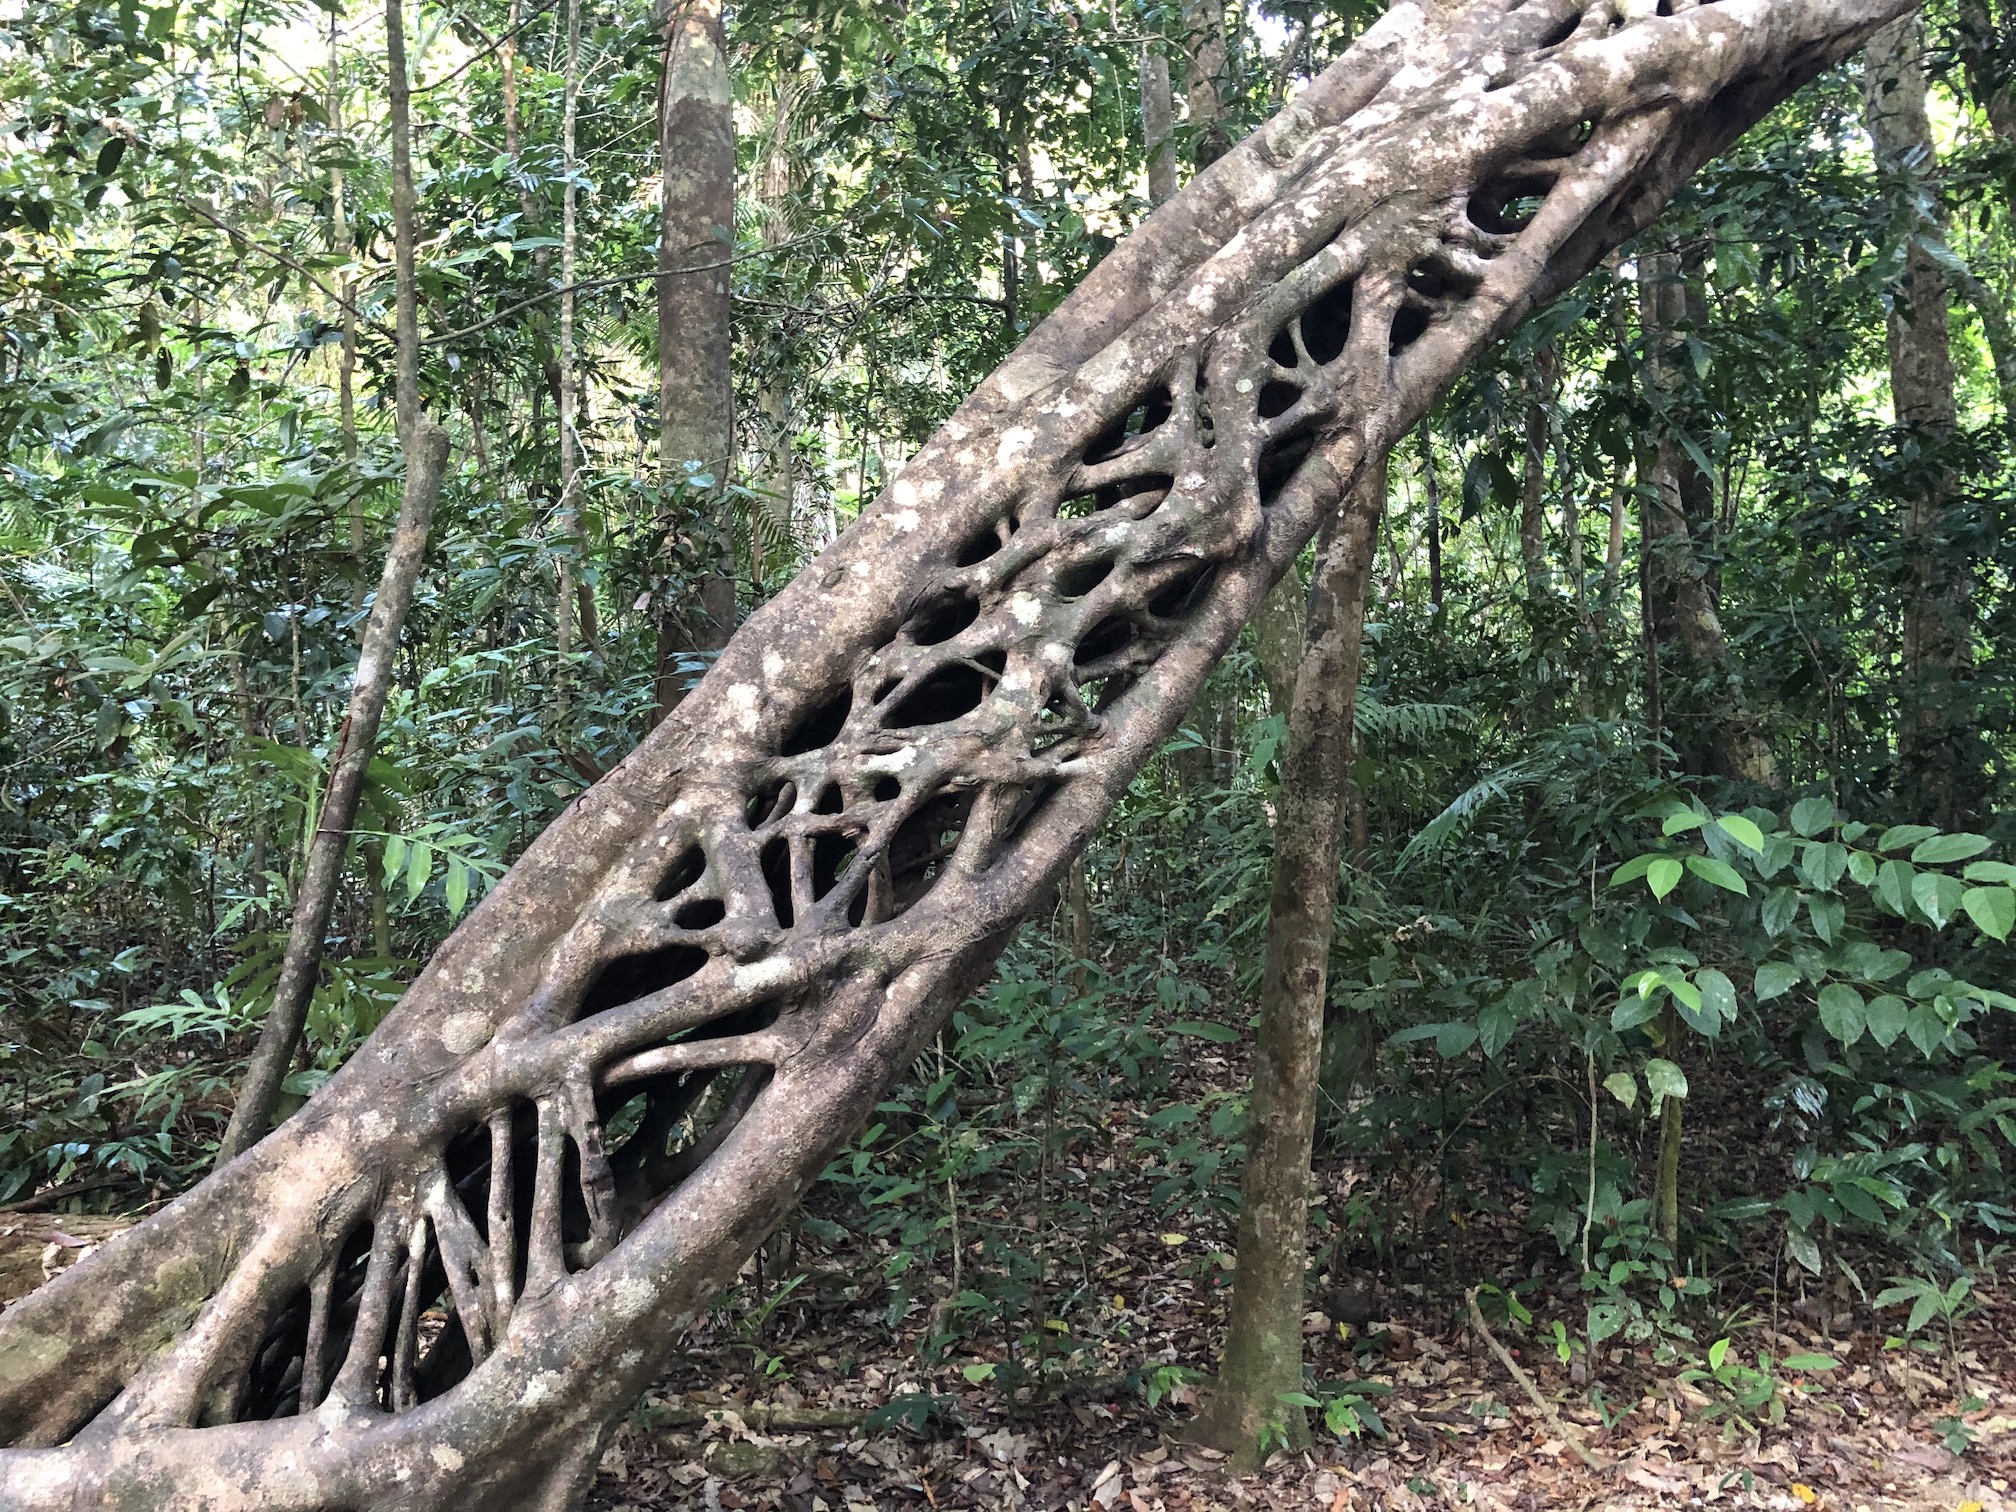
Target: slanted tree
[(742, 934)]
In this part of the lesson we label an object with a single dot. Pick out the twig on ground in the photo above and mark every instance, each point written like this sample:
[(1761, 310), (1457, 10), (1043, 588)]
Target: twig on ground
[(1554, 1419)]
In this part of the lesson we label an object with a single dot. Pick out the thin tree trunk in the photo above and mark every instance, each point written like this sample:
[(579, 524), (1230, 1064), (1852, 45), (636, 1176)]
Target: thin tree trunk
[(1936, 748), (1263, 1343), (425, 446), (1985, 59), (1681, 602), (1277, 638), (696, 238), (1204, 80), (1533, 479), (1158, 121), (568, 516), (1431, 486)]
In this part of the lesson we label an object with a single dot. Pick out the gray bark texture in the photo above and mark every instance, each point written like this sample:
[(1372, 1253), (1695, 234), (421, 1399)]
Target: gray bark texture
[(1263, 1344), (948, 700), (696, 394), (1937, 754)]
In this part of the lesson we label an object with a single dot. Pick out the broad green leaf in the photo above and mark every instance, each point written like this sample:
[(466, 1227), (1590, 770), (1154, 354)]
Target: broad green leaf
[(1218, 1034), (1842, 1012), (1886, 1016), (1683, 990), (1495, 1026), (1810, 1362), (418, 865), (1812, 815), (1781, 907), (1991, 871), (1925, 1028), (1662, 876), (1720, 873), (1663, 1079), (1775, 979), (1899, 836), (1993, 910), (1804, 1248), (1862, 867), (1681, 822), (1633, 869), (1823, 862), (1452, 1040), (1827, 915), (1633, 1011), (1743, 831), (1605, 1320), (1943, 850), (1938, 897), (395, 858), (457, 887), (1623, 1086), (1718, 994), (1893, 887)]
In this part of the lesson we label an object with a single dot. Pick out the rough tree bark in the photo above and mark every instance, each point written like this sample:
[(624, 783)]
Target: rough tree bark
[(1263, 1342), (949, 700), (696, 395), (1682, 605), (1937, 754), (1204, 80), (425, 447), (1158, 121), (568, 515), (1540, 380)]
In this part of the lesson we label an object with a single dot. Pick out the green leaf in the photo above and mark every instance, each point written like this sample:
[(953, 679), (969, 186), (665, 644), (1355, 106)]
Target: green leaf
[(1810, 1362), (1823, 862), (1804, 1248), (1899, 836), (1842, 1012), (1720, 873), (1925, 1028), (1781, 907), (1743, 831), (1828, 915), (1605, 1320), (1942, 850), (1662, 876), (1623, 1086), (1993, 910), (1886, 1016), (1938, 897), (418, 865), (1893, 887), (1452, 1040), (1775, 979), (1991, 871), (395, 858), (1718, 993), (1681, 822), (1812, 815), (1633, 869), (457, 887), (1633, 1011), (1218, 1034), (1663, 1079)]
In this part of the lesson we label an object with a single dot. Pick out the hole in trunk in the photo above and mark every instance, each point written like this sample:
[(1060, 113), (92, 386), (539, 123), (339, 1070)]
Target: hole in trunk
[(978, 548), (1112, 634), (701, 913), (628, 978), (688, 869), (822, 727), (1279, 465), (772, 800), (830, 855), (1326, 325), (953, 690), (1277, 398), (944, 617), (1146, 416), (1282, 349), (887, 790), (829, 800), (776, 864), (923, 843), (1076, 582), (1409, 326), (1184, 593)]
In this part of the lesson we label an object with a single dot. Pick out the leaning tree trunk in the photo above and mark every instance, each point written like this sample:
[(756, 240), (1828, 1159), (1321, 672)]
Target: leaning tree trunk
[(750, 927)]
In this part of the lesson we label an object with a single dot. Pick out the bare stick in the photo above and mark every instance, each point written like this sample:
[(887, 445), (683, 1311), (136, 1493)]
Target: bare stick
[(1554, 1419)]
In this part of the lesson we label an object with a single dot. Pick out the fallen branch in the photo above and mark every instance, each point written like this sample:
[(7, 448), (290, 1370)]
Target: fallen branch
[(1554, 1419), (658, 1415)]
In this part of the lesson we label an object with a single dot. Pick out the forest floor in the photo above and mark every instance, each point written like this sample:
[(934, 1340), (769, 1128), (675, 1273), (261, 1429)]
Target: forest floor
[(823, 1405)]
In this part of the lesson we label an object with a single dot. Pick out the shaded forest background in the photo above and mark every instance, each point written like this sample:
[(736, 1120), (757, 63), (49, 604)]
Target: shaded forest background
[(1671, 947)]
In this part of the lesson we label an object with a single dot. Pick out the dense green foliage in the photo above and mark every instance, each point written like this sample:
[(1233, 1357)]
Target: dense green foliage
[(1562, 907)]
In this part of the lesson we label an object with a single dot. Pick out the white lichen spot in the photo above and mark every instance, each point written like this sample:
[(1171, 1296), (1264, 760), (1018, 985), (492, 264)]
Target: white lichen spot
[(905, 519), (680, 806), (904, 493), (630, 1359), (743, 698), (634, 1296), (1244, 385), (1026, 608), (447, 1456), (539, 1389), (465, 1033), (773, 664), (759, 975), (862, 569), (371, 1122), (473, 980), (1016, 440)]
